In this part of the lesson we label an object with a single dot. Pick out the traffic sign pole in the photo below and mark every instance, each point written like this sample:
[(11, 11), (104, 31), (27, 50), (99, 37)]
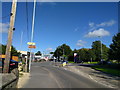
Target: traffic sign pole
[(32, 34)]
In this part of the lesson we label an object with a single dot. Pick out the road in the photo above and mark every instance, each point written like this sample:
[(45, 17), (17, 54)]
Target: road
[(46, 75)]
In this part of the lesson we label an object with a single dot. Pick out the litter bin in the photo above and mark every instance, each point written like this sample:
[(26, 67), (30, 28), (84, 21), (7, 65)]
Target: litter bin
[(64, 63)]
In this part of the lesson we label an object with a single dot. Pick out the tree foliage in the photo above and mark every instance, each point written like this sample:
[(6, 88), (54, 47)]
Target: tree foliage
[(82, 54), (13, 50), (51, 52), (96, 47), (63, 50), (96, 53), (114, 52), (38, 53), (86, 54)]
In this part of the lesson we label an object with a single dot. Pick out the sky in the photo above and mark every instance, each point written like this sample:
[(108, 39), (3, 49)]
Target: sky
[(76, 24)]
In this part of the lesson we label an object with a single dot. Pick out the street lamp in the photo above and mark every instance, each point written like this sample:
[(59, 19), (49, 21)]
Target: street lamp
[(101, 46), (63, 54)]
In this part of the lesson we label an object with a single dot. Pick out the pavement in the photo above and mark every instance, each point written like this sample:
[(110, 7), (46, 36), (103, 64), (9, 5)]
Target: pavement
[(98, 76), (49, 75), (23, 79), (0, 80)]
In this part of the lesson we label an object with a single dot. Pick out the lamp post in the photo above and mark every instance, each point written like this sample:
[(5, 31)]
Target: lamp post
[(101, 46), (32, 34), (63, 55)]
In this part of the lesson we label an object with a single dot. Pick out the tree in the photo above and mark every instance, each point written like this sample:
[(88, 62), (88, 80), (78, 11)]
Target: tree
[(58, 52), (51, 52), (75, 51), (38, 53), (63, 50), (114, 52), (13, 50), (2, 48), (82, 54), (91, 56), (96, 47), (85, 54), (105, 53)]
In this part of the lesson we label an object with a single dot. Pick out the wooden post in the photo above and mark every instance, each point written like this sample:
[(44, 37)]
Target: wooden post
[(10, 34)]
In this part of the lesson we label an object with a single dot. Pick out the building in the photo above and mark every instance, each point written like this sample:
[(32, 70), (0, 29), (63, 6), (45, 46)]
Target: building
[(24, 54), (37, 57)]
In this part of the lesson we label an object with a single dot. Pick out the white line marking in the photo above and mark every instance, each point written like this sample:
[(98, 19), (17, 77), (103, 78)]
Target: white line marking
[(92, 78), (100, 82)]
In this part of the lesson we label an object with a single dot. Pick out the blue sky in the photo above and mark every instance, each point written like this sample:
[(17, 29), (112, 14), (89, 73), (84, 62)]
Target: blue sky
[(76, 24)]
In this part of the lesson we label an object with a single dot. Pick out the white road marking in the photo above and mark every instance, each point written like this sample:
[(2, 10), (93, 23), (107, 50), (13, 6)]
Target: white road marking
[(90, 77), (65, 68), (100, 82)]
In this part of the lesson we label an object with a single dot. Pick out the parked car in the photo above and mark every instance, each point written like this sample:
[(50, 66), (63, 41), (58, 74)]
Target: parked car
[(104, 62)]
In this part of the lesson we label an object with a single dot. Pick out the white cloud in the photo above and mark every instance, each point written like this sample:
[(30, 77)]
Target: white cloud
[(99, 32), (91, 24), (4, 27), (109, 23), (49, 49), (80, 43)]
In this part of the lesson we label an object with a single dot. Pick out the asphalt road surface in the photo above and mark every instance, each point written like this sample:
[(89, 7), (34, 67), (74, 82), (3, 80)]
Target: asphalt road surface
[(46, 75)]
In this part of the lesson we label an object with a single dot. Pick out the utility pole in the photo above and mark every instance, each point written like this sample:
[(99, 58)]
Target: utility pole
[(101, 49), (63, 55), (10, 34), (32, 34), (101, 45)]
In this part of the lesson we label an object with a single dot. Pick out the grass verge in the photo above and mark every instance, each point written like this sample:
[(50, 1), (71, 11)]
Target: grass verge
[(70, 62), (107, 70), (90, 62)]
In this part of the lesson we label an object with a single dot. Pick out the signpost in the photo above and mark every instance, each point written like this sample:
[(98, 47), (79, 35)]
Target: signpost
[(75, 54), (31, 45)]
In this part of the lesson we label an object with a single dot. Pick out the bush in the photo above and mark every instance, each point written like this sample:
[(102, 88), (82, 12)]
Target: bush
[(71, 58)]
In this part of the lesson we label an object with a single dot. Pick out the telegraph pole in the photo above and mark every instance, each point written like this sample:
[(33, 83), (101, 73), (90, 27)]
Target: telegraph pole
[(63, 53), (10, 34), (101, 46), (101, 49)]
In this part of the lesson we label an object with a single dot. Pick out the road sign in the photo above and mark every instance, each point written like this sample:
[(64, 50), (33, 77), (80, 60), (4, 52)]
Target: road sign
[(31, 46), (15, 58), (75, 54), (2, 56), (31, 43)]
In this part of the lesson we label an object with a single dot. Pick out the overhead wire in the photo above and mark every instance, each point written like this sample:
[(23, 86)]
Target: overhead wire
[(27, 21)]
